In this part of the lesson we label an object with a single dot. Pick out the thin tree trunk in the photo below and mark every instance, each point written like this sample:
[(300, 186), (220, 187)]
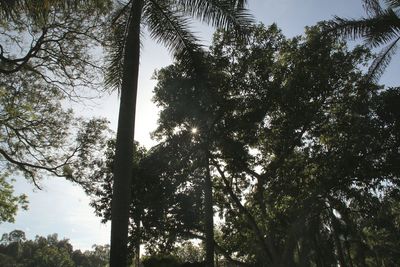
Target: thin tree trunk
[(209, 214), (360, 252), (138, 234), (337, 241), (123, 164), (137, 245), (266, 245), (347, 245), (318, 255), (222, 251), (137, 255)]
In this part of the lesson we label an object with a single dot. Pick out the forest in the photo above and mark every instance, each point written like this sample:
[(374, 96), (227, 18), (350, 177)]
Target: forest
[(271, 151)]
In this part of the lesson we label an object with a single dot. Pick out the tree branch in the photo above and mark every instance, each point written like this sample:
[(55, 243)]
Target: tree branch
[(21, 62), (268, 248), (219, 249)]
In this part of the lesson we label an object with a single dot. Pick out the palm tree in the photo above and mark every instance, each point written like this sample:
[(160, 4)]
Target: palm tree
[(381, 27), (168, 23)]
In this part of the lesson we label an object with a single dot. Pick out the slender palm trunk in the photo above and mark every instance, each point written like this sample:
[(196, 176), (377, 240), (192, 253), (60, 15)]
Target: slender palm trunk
[(209, 214), (123, 164)]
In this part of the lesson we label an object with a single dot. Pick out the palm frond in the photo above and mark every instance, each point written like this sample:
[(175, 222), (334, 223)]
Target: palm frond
[(170, 28), (116, 47), (372, 7), (380, 28), (226, 14), (240, 3), (376, 30), (393, 4), (383, 29), (383, 59), (348, 28)]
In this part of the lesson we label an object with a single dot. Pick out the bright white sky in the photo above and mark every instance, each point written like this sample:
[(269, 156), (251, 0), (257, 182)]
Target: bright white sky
[(64, 209)]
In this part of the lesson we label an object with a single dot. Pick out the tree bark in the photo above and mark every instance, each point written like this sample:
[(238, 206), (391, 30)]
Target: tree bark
[(137, 255), (137, 244), (123, 164), (337, 241), (209, 214)]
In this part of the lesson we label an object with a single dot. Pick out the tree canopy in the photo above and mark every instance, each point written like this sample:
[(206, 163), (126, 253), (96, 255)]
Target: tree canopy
[(303, 155), (16, 250), (46, 57), (164, 208), (301, 148)]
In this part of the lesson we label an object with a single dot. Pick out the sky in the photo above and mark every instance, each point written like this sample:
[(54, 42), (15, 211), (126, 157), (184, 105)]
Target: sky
[(63, 208)]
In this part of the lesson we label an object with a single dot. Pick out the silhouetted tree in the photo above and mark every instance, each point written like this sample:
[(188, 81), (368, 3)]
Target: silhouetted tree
[(167, 22), (299, 143), (166, 199)]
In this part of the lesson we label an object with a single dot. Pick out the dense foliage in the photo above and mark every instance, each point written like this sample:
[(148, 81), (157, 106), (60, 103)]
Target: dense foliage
[(164, 207), (16, 250), (9, 203), (304, 153)]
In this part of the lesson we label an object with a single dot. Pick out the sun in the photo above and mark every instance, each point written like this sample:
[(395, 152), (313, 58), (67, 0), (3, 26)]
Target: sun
[(194, 130)]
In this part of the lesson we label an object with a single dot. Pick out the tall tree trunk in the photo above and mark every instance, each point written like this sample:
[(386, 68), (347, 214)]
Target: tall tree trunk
[(347, 246), (266, 245), (123, 164), (209, 213), (360, 252), (137, 255), (337, 241), (138, 241), (319, 259)]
